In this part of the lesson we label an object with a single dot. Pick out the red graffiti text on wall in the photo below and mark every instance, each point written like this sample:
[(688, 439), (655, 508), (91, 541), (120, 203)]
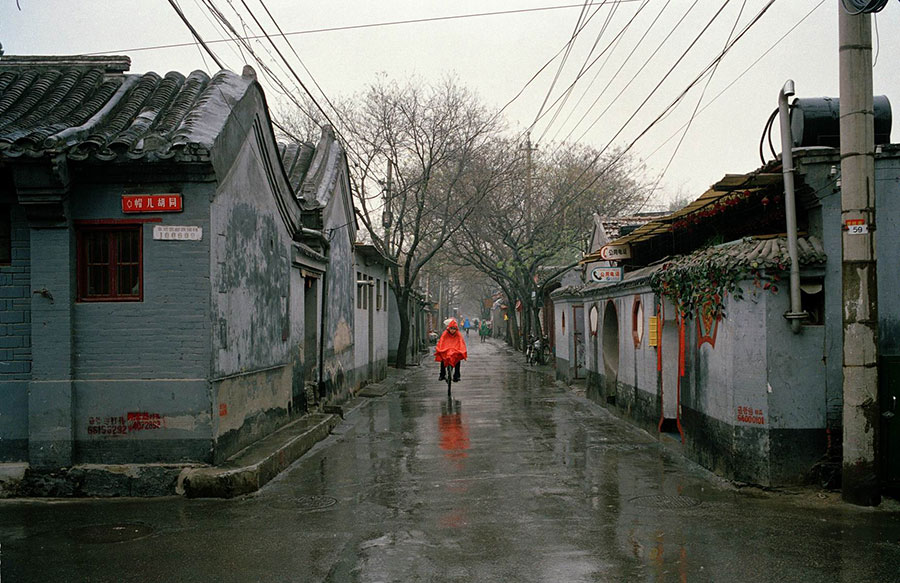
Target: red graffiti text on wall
[(133, 421), (750, 415)]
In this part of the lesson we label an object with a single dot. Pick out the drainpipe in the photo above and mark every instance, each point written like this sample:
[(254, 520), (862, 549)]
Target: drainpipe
[(795, 315)]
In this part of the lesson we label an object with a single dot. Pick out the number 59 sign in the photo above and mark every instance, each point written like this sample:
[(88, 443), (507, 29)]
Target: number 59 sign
[(856, 226)]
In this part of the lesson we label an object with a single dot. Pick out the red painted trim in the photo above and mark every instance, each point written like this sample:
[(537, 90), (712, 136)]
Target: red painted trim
[(88, 222), (707, 327), (660, 314), (681, 346)]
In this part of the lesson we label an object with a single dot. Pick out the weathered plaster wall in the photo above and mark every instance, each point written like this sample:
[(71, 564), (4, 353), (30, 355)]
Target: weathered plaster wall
[(15, 342), (122, 409), (797, 402), (564, 339), (250, 267), (370, 329), (340, 298)]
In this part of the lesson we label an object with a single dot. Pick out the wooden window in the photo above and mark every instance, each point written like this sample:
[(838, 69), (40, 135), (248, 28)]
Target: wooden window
[(110, 264), (359, 291), (5, 236), (378, 298)]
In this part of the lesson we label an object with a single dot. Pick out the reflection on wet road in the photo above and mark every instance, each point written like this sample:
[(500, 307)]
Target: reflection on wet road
[(512, 478)]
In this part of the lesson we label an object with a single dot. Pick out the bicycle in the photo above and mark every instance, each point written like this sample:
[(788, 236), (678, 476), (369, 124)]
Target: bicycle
[(449, 370), (538, 351)]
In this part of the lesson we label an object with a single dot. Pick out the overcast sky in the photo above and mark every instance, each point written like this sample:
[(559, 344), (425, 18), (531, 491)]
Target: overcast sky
[(496, 55)]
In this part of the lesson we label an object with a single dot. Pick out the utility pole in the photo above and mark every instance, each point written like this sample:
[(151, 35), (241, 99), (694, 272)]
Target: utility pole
[(858, 282)]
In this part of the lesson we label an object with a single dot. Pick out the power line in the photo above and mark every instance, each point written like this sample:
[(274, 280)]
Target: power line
[(195, 34), (697, 79), (584, 93), (568, 91), (741, 75), (371, 25), (639, 71), (562, 62), (619, 70), (533, 77), (625, 150), (687, 126)]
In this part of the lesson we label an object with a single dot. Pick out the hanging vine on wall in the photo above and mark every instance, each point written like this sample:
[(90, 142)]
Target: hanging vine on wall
[(699, 283)]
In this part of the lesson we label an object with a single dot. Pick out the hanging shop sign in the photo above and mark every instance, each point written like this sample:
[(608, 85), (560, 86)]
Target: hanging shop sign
[(615, 252), (151, 203), (173, 233), (606, 274)]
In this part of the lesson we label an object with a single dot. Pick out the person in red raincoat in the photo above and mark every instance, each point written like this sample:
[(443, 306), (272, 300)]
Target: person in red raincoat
[(451, 350)]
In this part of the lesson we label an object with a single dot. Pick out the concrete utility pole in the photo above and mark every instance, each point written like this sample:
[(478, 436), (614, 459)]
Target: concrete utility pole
[(860, 292)]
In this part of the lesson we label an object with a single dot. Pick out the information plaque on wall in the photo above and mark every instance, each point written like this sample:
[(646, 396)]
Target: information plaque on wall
[(173, 233)]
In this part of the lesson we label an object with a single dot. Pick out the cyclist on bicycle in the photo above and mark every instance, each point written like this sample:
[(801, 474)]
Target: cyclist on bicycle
[(451, 350)]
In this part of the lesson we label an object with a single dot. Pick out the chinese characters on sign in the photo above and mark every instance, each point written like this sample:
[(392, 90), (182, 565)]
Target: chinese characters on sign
[(615, 252), (606, 274), (856, 226), (151, 203), (173, 233), (750, 415)]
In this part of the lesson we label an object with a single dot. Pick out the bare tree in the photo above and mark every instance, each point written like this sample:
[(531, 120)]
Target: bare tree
[(423, 159), (526, 237)]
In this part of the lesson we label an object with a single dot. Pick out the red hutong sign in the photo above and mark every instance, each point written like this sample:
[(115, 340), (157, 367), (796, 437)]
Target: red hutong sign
[(151, 203)]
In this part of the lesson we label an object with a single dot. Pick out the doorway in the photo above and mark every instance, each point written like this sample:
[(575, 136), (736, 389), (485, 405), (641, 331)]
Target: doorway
[(610, 349), (889, 395)]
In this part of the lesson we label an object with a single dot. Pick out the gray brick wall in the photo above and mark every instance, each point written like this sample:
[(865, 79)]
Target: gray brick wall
[(15, 343), (167, 334), (15, 305)]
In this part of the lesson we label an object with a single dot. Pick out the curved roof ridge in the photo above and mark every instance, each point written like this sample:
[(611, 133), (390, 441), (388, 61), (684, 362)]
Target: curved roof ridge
[(106, 105), (150, 113), (212, 108)]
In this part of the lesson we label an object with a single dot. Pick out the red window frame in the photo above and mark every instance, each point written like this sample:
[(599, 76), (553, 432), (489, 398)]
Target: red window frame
[(113, 264)]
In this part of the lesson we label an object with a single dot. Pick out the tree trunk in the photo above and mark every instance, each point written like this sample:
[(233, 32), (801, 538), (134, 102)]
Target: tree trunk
[(403, 342), (515, 336)]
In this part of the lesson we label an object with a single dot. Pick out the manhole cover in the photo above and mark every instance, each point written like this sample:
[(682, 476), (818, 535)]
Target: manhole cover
[(313, 503), (664, 501), (111, 533)]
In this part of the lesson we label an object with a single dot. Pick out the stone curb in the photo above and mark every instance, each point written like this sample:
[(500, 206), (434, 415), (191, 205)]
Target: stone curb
[(242, 475), (245, 472), (259, 463)]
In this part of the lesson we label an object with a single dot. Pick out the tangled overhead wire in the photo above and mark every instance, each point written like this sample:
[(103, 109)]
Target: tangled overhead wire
[(855, 7), (767, 132)]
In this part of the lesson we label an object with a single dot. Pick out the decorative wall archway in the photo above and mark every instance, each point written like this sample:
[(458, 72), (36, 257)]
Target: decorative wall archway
[(610, 349)]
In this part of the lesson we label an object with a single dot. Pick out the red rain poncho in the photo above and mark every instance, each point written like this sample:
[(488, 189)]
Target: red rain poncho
[(451, 348)]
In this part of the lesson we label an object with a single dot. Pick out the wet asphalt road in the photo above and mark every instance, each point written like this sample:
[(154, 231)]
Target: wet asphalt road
[(512, 479)]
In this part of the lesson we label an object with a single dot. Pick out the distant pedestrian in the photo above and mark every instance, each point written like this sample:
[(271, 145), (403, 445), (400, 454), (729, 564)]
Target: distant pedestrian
[(484, 331), (466, 326)]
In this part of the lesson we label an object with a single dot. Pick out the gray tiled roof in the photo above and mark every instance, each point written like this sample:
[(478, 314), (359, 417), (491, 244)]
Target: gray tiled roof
[(758, 253), (87, 107), (750, 253)]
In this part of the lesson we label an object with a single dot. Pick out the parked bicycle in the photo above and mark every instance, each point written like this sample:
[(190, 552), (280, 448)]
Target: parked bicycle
[(538, 350)]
